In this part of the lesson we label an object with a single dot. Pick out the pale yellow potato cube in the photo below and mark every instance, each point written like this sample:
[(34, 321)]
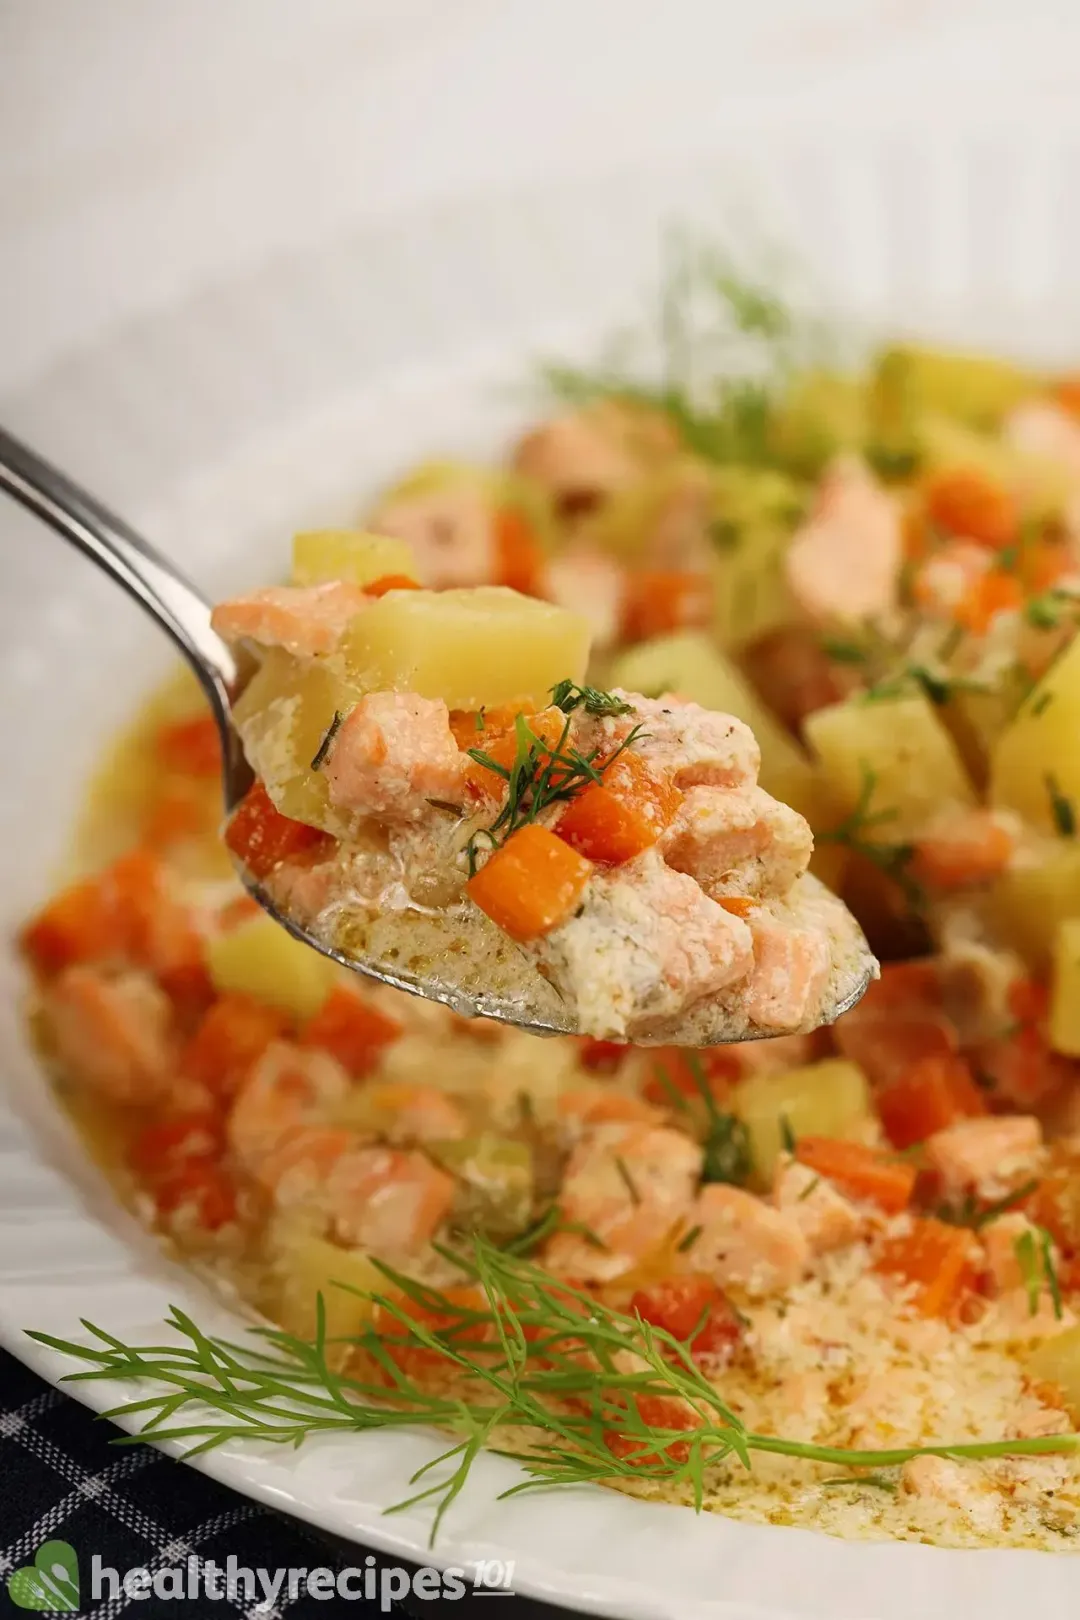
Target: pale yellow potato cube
[(282, 717), (1027, 904), (470, 647), (1039, 750), (349, 554), (901, 746), (1057, 1361), (830, 1098), (260, 959), (1065, 990), (310, 1266)]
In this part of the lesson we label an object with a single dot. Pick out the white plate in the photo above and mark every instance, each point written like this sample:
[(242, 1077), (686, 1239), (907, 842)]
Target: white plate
[(284, 400)]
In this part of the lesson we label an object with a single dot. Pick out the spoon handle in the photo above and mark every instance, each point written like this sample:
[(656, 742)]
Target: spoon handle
[(143, 572)]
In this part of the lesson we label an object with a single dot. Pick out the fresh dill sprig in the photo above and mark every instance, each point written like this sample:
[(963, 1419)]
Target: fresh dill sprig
[(1048, 611), (541, 775), (727, 1141), (1035, 1257), (525, 1351), (568, 696), (719, 352), (892, 859)]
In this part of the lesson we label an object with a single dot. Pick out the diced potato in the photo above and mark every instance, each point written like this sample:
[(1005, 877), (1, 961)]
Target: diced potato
[(902, 746), (282, 716), (310, 1266), (1040, 746), (1057, 1361), (484, 646), (627, 523), (688, 663), (1065, 990), (978, 389), (751, 592), (349, 554), (261, 959), (830, 1098), (1027, 904), (495, 1182)]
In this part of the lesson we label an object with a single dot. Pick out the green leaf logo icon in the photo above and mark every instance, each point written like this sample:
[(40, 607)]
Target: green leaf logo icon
[(51, 1582)]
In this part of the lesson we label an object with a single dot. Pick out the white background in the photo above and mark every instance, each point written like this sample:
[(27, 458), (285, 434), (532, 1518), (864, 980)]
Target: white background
[(149, 148)]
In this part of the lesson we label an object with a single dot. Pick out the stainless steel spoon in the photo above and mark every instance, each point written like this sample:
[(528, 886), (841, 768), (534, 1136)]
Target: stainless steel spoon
[(179, 609)]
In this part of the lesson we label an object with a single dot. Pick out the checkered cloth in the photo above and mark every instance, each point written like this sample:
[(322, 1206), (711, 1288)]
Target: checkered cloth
[(61, 1479)]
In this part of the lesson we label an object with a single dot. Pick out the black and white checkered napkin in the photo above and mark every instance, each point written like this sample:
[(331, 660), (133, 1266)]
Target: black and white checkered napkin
[(132, 1507)]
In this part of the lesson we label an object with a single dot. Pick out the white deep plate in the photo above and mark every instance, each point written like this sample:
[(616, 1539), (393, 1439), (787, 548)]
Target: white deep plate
[(283, 401)]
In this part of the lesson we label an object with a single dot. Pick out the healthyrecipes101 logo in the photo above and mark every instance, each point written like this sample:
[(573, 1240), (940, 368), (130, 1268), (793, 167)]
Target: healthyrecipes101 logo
[(51, 1583)]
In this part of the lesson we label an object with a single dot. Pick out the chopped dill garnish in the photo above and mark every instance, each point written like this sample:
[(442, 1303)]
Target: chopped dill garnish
[(714, 361), (1061, 808), (787, 1135), (844, 652), (970, 1212), (1048, 610), (446, 805), (892, 859), (627, 1179), (1035, 1256), (324, 747), (678, 1101), (1041, 704), (481, 720), (542, 1372), (568, 696), (811, 1187), (688, 1239), (541, 775)]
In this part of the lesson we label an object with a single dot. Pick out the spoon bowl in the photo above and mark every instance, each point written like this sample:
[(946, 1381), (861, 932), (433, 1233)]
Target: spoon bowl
[(437, 973)]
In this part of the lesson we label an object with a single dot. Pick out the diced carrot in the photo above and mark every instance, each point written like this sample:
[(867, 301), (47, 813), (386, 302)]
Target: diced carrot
[(201, 1188), (178, 810), (933, 1093), (739, 905), (656, 1412), (1029, 1001), (965, 502), (230, 1040), (992, 593), (160, 1147), (604, 828), (972, 848), (1044, 562), (261, 837), (190, 747), (78, 925), (499, 741), (862, 1172), (1020, 1070), (390, 582), (657, 602), (477, 728), (239, 910), (531, 884), (351, 1030), (917, 981), (410, 1357), (600, 1057), (519, 558), (934, 1256), (693, 1308), (1066, 391)]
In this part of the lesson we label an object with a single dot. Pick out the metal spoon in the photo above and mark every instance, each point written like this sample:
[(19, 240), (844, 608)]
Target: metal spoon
[(184, 614)]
